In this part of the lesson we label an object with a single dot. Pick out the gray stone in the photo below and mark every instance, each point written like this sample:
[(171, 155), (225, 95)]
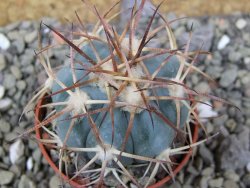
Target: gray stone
[(2, 91), (231, 125), (16, 170), (204, 181), (230, 184), (218, 182), (6, 177), (2, 153), (54, 181), (30, 37), (4, 42), (9, 81), (11, 26), (234, 151), (5, 104), (21, 84), (14, 35), (241, 23), (37, 155), (16, 71), (126, 5), (228, 77), (20, 45), (201, 35), (29, 69), (192, 170), (25, 182), (235, 57), (202, 87), (206, 154), (208, 171), (2, 62), (246, 179), (231, 175), (4, 126)]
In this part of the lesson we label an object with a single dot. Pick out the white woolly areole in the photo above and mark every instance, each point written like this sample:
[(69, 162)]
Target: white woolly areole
[(125, 45), (165, 155), (132, 97), (49, 82), (176, 90), (105, 155), (77, 101), (136, 70)]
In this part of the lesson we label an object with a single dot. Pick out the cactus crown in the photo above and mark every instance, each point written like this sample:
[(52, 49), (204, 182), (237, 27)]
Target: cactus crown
[(121, 102)]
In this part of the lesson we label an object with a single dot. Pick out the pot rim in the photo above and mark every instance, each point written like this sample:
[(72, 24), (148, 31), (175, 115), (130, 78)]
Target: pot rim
[(39, 111)]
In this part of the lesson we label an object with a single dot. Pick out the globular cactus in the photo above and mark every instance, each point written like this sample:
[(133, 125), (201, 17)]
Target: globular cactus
[(120, 102)]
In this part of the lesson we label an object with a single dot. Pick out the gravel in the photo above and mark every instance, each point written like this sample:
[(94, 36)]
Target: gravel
[(4, 42), (6, 177), (220, 162)]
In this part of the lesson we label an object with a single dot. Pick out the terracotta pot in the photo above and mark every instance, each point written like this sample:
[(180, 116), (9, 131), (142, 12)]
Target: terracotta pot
[(40, 114)]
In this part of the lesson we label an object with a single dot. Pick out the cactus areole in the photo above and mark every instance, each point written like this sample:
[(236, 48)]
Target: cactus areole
[(120, 101)]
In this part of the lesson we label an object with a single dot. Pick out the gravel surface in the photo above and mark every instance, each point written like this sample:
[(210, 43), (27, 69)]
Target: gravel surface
[(223, 161)]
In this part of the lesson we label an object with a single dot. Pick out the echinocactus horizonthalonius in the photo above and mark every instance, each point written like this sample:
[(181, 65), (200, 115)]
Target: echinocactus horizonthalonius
[(121, 102)]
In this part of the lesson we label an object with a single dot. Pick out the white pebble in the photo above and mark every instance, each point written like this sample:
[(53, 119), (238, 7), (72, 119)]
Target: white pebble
[(241, 23), (248, 167), (5, 104), (16, 151), (2, 91), (223, 42), (29, 163), (4, 42)]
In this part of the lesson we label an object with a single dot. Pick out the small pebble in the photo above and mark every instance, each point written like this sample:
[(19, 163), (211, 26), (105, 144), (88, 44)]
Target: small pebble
[(16, 71), (30, 37), (230, 184), (4, 42), (9, 81), (231, 175), (218, 182), (54, 181), (208, 171), (16, 151), (21, 84), (248, 167), (6, 177), (29, 163), (2, 91), (4, 126), (228, 77), (246, 179), (26, 182), (224, 41), (241, 23), (206, 154), (2, 62), (5, 104)]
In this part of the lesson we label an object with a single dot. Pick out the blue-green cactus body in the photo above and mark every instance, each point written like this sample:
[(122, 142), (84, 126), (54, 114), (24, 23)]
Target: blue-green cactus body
[(145, 139), (79, 133), (120, 127)]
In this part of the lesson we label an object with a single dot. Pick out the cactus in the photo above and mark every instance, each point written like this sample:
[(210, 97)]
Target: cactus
[(120, 102)]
